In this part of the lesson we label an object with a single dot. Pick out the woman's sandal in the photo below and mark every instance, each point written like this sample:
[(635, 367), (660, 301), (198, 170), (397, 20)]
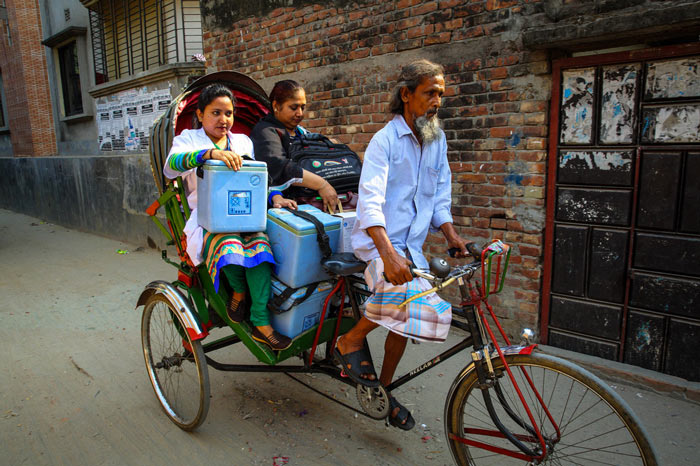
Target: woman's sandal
[(235, 310), (403, 419), (276, 340), (353, 367)]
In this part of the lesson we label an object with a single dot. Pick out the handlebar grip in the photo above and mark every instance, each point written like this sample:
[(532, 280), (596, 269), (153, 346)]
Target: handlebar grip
[(413, 274), (475, 250), (472, 248)]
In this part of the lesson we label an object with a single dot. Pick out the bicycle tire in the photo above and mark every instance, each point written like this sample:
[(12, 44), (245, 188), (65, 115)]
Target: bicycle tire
[(597, 426), (180, 377)]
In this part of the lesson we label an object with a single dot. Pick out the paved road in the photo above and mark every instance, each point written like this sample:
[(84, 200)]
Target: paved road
[(75, 391)]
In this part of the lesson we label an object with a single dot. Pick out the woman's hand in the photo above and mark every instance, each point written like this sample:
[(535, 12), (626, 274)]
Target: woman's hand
[(230, 158), (279, 201), (329, 196)]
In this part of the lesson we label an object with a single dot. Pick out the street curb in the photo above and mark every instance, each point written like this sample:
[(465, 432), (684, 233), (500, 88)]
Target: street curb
[(636, 376)]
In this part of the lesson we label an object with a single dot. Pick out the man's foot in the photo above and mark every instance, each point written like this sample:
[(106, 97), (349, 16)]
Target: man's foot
[(399, 416), (234, 308), (273, 339), (357, 365)]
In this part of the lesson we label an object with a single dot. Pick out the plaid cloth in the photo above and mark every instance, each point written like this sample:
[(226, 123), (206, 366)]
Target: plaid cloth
[(247, 250), (427, 318)]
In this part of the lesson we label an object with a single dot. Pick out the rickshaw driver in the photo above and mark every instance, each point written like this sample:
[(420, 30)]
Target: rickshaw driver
[(405, 190)]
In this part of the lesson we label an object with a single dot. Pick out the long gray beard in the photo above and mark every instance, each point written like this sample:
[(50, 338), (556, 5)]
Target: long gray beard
[(428, 128)]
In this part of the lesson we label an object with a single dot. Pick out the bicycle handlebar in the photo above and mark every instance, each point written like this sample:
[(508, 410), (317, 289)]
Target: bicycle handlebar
[(472, 248)]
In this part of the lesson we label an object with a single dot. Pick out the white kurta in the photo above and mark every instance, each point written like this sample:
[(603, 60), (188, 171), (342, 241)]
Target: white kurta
[(193, 140)]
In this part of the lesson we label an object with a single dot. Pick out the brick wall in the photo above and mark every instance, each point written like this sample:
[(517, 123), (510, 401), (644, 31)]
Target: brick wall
[(494, 111), (24, 74)]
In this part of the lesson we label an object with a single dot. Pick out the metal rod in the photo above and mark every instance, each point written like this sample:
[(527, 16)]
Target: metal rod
[(467, 342)]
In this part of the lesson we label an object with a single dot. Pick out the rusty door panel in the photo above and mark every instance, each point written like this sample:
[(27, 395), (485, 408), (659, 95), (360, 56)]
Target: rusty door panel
[(612, 168), (658, 190), (645, 340), (667, 295), (667, 253), (572, 342), (570, 265), (608, 269), (601, 206), (591, 318), (690, 211), (682, 349)]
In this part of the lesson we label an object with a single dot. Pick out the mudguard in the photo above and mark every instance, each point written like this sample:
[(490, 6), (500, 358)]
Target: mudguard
[(179, 302), (512, 349)]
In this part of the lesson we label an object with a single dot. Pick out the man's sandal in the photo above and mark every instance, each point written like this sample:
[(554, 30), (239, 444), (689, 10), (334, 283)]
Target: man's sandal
[(276, 341), (353, 367), (403, 419), (235, 310)]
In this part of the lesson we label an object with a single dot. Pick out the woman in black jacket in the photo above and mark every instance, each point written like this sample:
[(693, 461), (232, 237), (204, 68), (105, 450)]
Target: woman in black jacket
[(273, 135)]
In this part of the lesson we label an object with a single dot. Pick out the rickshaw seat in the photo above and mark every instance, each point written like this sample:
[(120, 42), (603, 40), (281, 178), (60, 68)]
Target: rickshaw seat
[(343, 264)]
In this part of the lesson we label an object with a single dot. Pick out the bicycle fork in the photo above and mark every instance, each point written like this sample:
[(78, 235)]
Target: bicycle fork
[(479, 326)]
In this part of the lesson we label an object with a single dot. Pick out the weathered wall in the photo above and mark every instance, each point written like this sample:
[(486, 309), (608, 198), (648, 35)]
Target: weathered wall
[(106, 195), (347, 55), (494, 112)]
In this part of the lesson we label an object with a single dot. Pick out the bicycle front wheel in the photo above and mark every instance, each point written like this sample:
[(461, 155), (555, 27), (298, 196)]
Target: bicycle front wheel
[(595, 425), (176, 364)]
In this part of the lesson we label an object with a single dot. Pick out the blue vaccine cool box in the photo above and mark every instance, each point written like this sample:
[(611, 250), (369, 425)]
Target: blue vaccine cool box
[(232, 201), (292, 320), (295, 247)]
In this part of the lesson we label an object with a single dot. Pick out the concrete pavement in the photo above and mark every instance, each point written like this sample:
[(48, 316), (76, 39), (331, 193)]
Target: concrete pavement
[(75, 390)]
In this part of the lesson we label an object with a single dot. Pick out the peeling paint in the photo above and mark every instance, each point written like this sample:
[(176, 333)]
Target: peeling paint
[(618, 160), (677, 123), (577, 106), (673, 78), (618, 104)]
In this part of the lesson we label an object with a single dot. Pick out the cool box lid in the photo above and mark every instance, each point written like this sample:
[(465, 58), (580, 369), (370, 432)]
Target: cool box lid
[(300, 226), (248, 165)]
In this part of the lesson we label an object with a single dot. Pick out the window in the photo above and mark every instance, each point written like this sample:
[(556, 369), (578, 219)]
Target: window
[(70, 79), (132, 36)]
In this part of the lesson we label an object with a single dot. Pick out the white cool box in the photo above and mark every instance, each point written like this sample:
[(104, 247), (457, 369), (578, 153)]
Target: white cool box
[(347, 222)]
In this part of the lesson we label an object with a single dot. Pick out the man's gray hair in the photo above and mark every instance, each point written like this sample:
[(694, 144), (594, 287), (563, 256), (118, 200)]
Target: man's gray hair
[(411, 76)]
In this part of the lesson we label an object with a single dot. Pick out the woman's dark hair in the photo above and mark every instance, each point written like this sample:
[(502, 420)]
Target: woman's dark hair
[(282, 91), (411, 77), (211, 92)]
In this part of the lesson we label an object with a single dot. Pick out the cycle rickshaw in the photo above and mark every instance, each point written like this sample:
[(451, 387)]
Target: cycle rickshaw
[(510, 404)]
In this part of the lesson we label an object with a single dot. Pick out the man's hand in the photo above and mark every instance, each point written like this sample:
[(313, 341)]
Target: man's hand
[(397, 269), (454, 240)]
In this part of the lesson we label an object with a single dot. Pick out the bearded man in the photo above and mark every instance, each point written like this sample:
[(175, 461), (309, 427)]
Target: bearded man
[(405, 191)]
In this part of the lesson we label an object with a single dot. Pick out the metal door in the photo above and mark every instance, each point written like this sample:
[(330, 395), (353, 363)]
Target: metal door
[(622, 243)]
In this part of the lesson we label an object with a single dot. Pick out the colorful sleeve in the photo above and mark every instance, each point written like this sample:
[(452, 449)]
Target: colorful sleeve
[(185, 160)]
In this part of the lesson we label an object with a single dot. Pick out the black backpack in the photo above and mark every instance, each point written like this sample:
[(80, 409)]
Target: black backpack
[(336, 163)]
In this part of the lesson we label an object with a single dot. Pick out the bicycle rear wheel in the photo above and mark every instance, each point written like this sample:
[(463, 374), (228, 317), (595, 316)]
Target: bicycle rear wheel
[(597, 426), (176, 364)]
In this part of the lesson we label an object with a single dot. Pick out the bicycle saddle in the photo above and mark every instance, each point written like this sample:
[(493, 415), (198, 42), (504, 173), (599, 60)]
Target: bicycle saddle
[(342, 264)]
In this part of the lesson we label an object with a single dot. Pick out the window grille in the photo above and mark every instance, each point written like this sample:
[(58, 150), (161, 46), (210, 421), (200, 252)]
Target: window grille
[(132, 36)]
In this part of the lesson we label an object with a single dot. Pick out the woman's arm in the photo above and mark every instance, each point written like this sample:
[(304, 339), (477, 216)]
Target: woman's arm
[(324, 188), (269, 147)]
